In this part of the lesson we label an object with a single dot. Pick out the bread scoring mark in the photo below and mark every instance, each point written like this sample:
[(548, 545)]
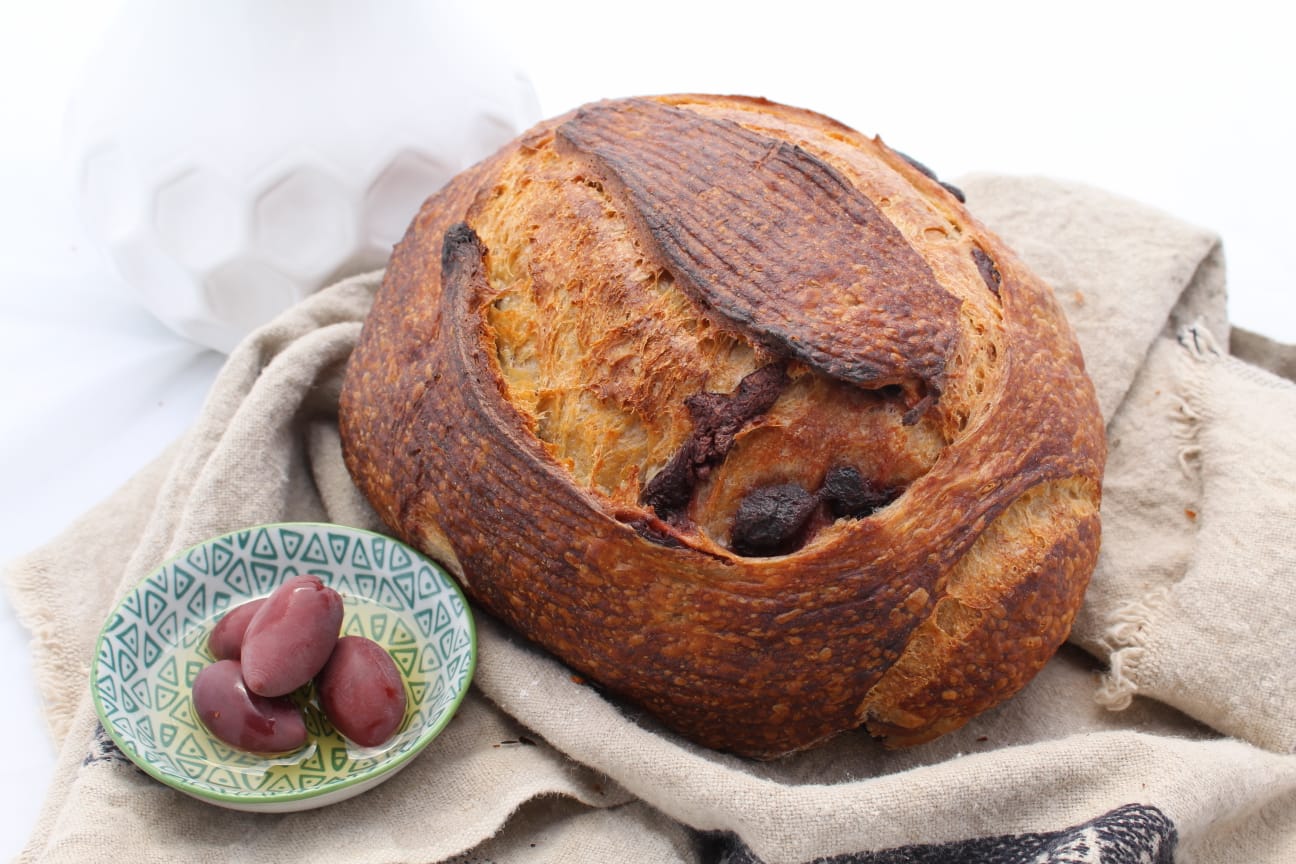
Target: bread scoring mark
[(954, 190), (1001, 612), (460, 246), (753, 230), (717, 419), (988, 269), (915, 412), (650, 528), (931, 175)]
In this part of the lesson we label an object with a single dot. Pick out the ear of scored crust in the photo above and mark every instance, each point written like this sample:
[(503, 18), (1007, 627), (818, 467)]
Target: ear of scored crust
[(768, 236)]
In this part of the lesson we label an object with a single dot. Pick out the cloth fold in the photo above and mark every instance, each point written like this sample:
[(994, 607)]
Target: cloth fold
[(1192, 640), (1184, 630)]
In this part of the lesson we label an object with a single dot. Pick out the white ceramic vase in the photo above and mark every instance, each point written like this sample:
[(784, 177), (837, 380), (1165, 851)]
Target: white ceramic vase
[(233, 157)]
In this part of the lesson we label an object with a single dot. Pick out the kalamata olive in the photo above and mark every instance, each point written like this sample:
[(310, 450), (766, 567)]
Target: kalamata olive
[(770, 519), (240, 717), (849, 493), (226, 638), (289, 639), (361, 691)]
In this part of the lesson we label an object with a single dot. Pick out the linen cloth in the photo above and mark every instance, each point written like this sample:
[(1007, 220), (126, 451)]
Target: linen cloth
[(1164, 731)]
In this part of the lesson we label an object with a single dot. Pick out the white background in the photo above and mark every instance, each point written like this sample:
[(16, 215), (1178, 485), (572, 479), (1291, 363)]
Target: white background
[(1188, 107)]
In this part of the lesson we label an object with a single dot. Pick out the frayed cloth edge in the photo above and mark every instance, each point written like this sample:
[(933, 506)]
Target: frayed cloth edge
[(1126, 634), (1200, 349), (1126, 637)]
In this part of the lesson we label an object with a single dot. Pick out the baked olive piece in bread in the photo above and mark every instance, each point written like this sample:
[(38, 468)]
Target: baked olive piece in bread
[(742, 415)]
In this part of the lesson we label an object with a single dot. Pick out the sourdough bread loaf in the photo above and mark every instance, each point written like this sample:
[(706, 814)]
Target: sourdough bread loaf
[(739, 413)]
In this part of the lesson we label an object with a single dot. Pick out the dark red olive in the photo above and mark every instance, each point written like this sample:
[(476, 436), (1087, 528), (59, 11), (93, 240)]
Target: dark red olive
[(289, 639), (240, 717), (226, 639), (361, 691), (770, 519)]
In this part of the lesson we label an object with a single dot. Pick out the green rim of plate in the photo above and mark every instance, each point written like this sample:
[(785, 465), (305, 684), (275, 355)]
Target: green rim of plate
[(140, 602)]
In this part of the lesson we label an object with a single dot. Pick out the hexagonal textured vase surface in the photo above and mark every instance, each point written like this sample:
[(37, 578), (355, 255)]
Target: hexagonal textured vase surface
[(232, 158)]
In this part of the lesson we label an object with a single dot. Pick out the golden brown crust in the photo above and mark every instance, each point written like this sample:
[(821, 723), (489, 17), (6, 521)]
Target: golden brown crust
[(740, 414), (732, 252)]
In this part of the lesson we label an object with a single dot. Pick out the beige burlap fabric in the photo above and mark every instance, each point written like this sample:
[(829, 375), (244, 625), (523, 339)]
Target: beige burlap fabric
[(1176, 693)]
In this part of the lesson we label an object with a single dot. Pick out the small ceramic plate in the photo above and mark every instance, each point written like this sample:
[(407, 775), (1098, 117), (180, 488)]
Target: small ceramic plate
[(155, 642)]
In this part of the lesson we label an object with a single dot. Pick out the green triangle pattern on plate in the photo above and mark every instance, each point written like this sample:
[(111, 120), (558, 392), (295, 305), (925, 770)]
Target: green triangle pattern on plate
[(155, 643)]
